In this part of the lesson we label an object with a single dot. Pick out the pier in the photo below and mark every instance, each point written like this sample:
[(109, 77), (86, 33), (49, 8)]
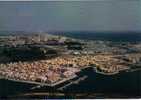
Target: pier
[(54, 84), (73, 82), (40, 84)]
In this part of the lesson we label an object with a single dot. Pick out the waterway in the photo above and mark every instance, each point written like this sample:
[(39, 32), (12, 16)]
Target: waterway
[(124, 84)]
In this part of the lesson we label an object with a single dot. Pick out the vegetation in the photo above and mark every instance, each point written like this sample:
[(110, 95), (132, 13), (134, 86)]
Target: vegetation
[(25, 53)]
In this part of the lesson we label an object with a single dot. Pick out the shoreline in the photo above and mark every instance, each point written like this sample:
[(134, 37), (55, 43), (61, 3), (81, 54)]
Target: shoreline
[(40, 83), (103, 73), (66, 79), (116, 72), (45, 84)]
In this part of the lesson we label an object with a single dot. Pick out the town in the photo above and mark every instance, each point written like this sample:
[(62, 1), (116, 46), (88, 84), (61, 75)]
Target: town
[(49, 59)]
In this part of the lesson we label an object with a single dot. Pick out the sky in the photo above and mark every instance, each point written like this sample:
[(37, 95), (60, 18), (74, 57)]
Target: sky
[(103, 15)]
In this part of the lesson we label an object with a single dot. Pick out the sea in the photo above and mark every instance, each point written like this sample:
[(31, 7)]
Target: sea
[(104, 36), (121, 85)]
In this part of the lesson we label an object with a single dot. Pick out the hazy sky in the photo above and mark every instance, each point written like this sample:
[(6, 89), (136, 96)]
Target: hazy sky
[(103, 15)]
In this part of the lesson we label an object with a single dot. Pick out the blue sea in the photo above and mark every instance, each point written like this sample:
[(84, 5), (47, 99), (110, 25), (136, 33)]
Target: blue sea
[(110, 36)]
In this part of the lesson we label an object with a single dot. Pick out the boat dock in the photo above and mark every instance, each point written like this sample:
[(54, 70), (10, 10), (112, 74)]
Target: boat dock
[(73, 82), (40, 83)]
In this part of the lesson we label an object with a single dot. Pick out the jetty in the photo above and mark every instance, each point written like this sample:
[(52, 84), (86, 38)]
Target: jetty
[(39, 84), (73, 82)]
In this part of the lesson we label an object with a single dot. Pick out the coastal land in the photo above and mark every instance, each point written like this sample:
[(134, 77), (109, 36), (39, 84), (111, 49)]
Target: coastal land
[(49, 60)]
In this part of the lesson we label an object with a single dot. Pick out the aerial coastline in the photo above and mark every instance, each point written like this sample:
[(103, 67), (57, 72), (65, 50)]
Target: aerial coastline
[(74, 55)]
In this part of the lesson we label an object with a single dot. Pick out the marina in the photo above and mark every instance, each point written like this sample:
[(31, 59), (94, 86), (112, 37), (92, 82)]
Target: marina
[(73, 82), (40, 83), (70, 50), (99, 85)]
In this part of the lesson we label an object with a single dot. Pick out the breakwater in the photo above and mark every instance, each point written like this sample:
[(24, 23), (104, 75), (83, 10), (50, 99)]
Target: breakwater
[(123, 84)]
